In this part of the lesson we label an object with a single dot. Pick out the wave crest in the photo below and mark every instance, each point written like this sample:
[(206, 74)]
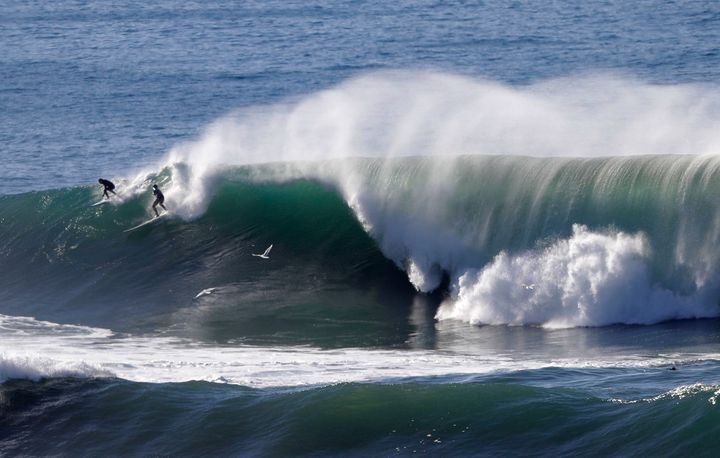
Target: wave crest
[(36, 367)]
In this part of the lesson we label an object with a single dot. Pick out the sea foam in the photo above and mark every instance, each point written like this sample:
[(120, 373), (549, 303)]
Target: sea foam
[(36, 354), (590, 279), (36, 367)]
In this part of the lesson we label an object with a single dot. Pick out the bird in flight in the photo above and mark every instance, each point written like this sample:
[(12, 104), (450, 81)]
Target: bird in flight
[(266, 254)]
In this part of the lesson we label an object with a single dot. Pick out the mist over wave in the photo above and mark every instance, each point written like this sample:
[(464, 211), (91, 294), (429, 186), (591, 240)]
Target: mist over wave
[(440, 115)]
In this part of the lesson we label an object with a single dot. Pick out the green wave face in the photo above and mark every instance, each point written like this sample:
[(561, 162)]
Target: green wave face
[(63, 260), (347, 236), (475, 207)]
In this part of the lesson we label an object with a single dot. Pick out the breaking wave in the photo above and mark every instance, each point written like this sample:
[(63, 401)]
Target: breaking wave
[(551, 204)]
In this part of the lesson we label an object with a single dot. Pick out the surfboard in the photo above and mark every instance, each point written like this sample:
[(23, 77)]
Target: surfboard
[(113, 197), (144, 223)]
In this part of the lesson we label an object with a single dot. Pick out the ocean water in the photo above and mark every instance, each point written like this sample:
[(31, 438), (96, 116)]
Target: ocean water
[(494, 228)]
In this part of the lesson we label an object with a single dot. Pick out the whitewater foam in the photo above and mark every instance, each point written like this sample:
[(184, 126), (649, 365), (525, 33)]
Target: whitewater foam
[(101, 353), (680, 392), (590, 279), (36, 367)]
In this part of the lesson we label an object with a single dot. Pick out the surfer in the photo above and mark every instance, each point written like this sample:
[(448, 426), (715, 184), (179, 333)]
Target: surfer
[(159, 199), (108, 185)]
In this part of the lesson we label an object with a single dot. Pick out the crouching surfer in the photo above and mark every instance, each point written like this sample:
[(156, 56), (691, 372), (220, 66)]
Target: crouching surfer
[(159, 200), (108, 186)]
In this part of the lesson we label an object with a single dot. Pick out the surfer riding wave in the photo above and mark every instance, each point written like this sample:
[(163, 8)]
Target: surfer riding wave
[(107, 186), (159, 200)]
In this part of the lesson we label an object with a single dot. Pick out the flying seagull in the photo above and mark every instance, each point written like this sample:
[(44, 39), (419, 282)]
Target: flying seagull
[(266, 254), (205, 292)]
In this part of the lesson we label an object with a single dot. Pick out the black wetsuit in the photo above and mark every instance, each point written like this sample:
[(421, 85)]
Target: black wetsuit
[(109, 186), (159, 200)]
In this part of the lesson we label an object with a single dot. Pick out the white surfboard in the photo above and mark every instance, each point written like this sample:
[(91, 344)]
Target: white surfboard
[(111, 199), (144, 223)]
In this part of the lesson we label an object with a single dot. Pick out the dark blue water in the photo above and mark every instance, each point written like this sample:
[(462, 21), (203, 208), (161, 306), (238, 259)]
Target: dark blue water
[(100, 88), (173, 340)]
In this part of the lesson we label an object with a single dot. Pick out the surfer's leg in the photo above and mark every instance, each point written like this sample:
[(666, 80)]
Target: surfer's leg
[(155, 207)]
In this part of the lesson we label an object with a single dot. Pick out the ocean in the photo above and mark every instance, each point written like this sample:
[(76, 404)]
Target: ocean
[(494, 228)]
